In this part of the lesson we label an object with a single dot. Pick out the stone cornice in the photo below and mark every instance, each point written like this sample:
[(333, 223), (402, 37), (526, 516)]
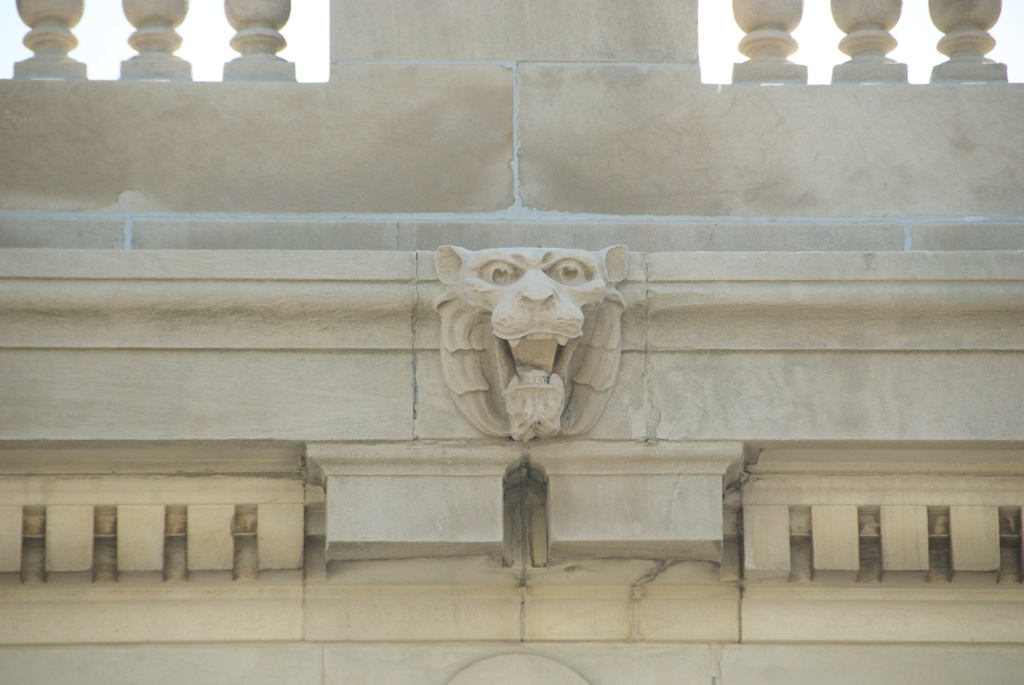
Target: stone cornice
[(380, 300)]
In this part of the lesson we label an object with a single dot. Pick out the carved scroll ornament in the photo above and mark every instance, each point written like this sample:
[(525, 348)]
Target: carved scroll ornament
[(530, 337)]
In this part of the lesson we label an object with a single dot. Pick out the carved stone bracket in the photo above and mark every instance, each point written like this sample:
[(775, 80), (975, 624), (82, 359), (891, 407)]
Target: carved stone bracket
[(530, 337)]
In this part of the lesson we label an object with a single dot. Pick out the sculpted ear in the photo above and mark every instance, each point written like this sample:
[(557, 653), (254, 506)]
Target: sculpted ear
[(616, 262), (448, 263)]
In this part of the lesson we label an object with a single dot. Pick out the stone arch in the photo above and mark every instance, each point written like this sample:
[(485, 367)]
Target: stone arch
[(517, 669), (525, 506)]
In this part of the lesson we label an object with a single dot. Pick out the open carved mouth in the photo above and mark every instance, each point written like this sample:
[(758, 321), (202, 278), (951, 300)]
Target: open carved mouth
[(535, 358), (533, 370)]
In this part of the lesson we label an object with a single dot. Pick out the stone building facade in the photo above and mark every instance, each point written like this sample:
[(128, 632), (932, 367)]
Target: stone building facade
[(338, 383)]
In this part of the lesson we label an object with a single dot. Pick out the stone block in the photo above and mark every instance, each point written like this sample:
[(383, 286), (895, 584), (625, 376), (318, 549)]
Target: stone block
[(195, 395), (412, 614), (134, 615), (833, 396), (69, 538), (766, 541), (882, 665), (655, 516), (974, 538), (904, 538), (262, 234), (235, 664), (140, 537), (10, 539), (869, 72), (577, 613), (280, 535), (597, 663), (656, 236), (77, 233), (648, 140), (671, 614), (209, 300), (524, 31), (967, 236), (432, 138), (889, 615), (835, 538), (210, 539), (437, 417), (144, 490), (395, 515)]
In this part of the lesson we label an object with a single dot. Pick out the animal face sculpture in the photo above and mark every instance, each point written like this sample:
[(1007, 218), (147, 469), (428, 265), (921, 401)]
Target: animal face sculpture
[(530, 338)]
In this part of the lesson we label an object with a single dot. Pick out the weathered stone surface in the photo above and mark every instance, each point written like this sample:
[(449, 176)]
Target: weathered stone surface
[(143, 490), (766, 545), (239, 664), (411, 613), (882, 615), (904, 538), (666, 147), (671, 614), (974, 538), (74, 233), (160, 395), (414, 152), (210, 541), (577, 613), (650, 516), (658, 236), (598, 664), (260, 233), (140, 537), (280, 534), (857, 664), (835, 535), (69, 540), (10, 539), (392, 516), (967, 236), (832, 396), (118, 614), (528, 31), (511, 669)]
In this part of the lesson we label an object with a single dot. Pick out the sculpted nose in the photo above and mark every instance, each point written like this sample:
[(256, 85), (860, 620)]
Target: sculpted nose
[(536, 294)]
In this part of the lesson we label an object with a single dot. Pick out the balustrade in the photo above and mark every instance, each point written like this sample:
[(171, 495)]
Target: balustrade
[(768, 42), (156, 41), (50, 39), (769, 26), (966, 24), (867, 24), (258, 23)]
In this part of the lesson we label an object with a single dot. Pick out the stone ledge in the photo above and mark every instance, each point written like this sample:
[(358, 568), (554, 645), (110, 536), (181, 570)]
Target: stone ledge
[(523, 31), (318, 232)]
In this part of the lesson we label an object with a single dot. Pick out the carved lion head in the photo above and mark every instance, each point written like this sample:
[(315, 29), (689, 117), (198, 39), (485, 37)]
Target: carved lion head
[(530, 337)]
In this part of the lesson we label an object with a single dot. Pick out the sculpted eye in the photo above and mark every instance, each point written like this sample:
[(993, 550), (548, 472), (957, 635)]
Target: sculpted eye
[(569, 272), (502, 274)]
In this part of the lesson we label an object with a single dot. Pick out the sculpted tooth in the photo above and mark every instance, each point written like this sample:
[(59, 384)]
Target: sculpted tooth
[(562, 340), (514, 343)]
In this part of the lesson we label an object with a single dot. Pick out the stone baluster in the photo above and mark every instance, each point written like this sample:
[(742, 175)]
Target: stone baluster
[(259, 39), (156, 40), (769, 41), (867, 24), (966, 24), (50, 39)]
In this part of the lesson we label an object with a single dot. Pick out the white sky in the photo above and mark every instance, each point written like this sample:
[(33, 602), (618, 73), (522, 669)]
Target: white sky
[(103, 35)]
